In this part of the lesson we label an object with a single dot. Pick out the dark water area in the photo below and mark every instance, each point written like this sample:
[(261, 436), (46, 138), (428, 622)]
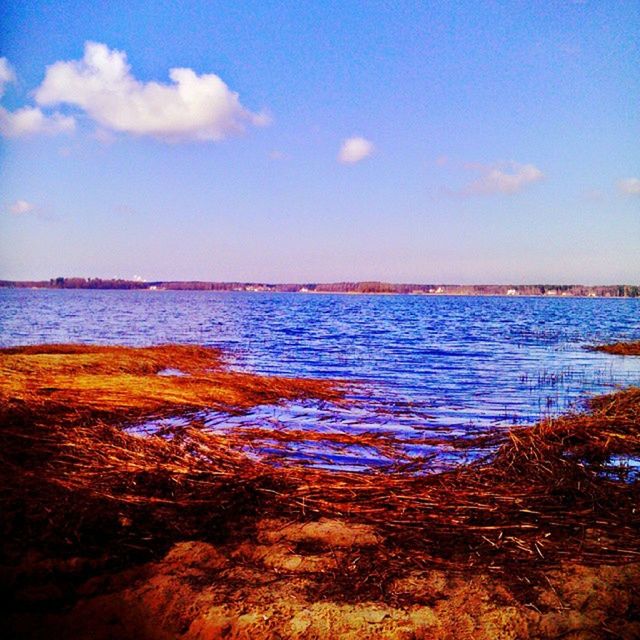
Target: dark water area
[(430, 365)]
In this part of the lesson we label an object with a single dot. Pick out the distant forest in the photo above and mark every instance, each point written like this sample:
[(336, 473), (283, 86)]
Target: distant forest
[(600, 291)]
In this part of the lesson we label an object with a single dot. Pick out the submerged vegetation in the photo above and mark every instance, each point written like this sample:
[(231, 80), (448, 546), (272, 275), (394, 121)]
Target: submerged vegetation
[(75, 483)]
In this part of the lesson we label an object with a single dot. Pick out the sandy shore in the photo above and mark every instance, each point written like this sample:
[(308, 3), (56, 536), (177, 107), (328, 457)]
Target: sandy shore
[(271, 586)]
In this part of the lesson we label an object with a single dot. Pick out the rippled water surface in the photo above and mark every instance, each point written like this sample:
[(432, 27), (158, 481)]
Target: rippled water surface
[(430, 364)]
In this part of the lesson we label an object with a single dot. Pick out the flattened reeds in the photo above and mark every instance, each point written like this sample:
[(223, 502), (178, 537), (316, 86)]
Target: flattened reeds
[(72, 478)]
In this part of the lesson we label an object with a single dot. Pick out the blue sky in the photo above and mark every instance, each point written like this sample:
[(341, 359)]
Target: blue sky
[(399, 141)]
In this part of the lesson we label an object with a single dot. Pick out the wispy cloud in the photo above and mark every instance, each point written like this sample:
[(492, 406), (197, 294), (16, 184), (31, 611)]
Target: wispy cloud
[(7, 74), (355, 149), (21, 207), (103, 136), (506, 178), (191, 107), (629, 186), (28, 120), (593, 195)]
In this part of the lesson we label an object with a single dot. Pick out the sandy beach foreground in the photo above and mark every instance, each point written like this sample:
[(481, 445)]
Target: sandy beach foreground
[(192, 534)]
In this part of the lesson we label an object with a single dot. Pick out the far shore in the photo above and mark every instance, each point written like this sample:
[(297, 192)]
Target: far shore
[(348, 288)]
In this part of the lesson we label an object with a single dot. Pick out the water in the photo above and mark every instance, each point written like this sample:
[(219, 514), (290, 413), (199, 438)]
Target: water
[(430, 365)]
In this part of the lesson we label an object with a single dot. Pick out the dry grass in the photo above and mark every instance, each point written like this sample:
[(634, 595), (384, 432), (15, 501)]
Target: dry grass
[(73, 482), (620, 348), (74, 382)]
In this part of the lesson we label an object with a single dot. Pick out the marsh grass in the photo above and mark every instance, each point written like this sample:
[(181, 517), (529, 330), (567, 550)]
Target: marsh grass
[(75, 483), (74, 382), (619, 348)]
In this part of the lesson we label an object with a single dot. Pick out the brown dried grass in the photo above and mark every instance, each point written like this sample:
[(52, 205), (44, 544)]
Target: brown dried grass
[(76, 382), (620, 348), (73, 481)]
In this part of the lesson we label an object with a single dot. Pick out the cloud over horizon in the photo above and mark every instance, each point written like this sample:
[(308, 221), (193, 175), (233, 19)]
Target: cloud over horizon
[(629, 186), (354, 150), (507, 178), (191, 107), (28, 120)]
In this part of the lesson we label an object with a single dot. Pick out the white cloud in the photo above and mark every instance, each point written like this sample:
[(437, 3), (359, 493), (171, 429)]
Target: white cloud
[(31, 120), (20, 207), (355, 149), (192, 107), (7, 74), (28, 120), (506, 178), (630, 186)]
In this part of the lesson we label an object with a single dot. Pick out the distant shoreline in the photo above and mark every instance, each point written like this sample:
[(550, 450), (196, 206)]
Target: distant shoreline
[(351, 288)]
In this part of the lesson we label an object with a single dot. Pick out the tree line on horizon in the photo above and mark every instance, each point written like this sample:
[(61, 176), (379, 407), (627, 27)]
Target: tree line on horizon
[(610, 291)]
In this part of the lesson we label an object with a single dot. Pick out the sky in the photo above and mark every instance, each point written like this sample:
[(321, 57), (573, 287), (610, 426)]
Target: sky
[(448, 142)]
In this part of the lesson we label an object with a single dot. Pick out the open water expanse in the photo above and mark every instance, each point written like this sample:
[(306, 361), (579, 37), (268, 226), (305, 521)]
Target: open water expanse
[(428, 364)]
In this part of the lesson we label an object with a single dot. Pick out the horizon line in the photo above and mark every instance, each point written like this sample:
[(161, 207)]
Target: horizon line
[(139, 281)]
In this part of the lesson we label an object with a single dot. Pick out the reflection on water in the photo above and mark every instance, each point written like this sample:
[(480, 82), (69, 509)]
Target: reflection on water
[(411, 431), (429, 365)]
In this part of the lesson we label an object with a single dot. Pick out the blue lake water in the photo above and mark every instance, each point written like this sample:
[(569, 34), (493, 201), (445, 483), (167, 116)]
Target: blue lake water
[(428, 364)]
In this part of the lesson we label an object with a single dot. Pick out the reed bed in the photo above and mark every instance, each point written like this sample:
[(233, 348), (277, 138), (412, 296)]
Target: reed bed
[(74, 482), (620, 348), (76, 383)]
